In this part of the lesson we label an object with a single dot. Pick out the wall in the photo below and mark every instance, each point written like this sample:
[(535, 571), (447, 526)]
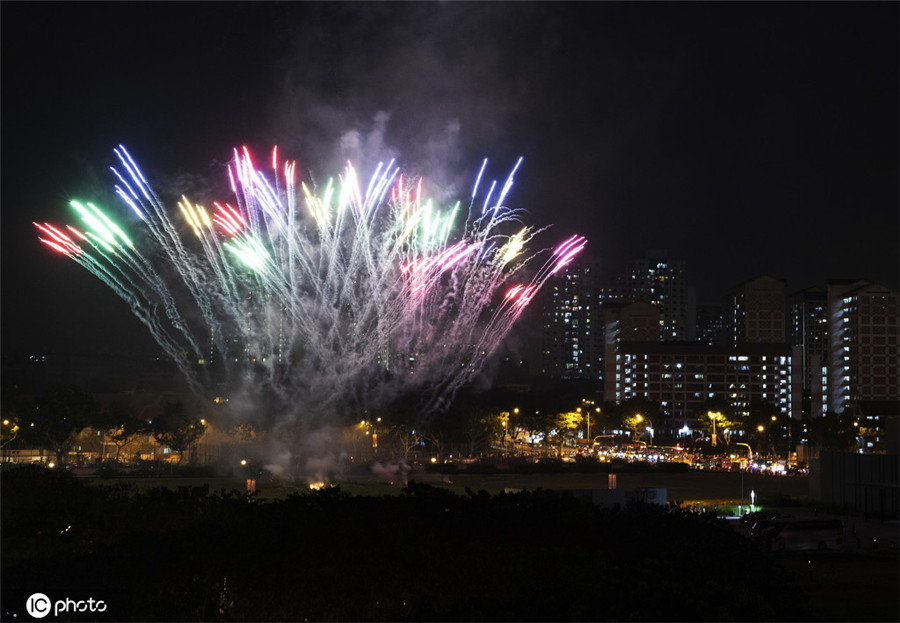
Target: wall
[(864, 483)]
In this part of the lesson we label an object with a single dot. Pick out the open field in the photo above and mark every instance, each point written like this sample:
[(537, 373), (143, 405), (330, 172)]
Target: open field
[(687, 487), (848, 586)]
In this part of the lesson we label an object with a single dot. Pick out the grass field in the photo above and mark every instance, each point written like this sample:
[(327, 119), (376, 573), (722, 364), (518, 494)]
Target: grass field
[(848, 586), (689, 487)]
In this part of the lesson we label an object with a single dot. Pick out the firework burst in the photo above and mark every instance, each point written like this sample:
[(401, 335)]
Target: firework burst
[(323, 298)]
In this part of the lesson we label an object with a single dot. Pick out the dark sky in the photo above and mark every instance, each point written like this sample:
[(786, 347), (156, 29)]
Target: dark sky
[(745, 138)]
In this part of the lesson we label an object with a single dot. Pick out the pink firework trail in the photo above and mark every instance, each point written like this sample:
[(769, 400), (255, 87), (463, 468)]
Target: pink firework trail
[(330, 298)]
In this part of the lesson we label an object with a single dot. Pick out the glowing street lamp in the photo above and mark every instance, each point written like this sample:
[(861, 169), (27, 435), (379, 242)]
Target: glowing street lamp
[(749, 449), (714, 415)]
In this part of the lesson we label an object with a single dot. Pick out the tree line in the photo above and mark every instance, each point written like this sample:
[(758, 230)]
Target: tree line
[(477, 423), (54, 419)]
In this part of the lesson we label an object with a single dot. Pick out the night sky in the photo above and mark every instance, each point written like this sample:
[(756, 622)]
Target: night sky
[(745, 138)]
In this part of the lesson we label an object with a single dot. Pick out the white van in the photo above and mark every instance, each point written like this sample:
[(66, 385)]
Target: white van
[(808, 534)]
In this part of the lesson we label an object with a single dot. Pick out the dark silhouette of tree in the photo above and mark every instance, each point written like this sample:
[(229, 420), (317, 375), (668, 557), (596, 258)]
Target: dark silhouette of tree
[(396, 424), (525, 556), (57, 417), (635, 414), (119, 427), (9, 431), (11, 412), (726, 421), (638, 424), (440, 432), (176, 429), (610, 417), (833, 431), (474, 422), (648, 408), (532, 421), (765, 425)]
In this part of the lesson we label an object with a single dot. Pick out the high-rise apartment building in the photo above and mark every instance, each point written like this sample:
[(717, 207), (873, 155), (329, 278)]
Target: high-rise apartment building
[(863, 345), (572, 323), (808, 336), (757, 311), (711, 324), (683, 376), (625, 322), (574, 329), (662, 281), (753, 365)]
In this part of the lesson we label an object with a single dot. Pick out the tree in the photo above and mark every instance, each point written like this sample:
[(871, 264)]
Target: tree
[(475, 421), (58, 415), (833, 431), (767, 425), (637, 423), (723, 426), (532, 422), (566, 424), (176, 429), (397, 423), (440, 432), (716, 417), (11, 411), (610, 417), (649, 409), (405, 438), (119, 428), (481, 426), (10, 430)]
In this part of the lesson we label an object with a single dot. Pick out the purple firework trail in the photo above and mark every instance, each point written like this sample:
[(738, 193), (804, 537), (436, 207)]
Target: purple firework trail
[(344, 294)]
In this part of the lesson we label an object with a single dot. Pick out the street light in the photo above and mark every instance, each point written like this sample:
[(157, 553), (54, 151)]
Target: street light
[(749, 458), (587, 419), (714, 415), (749, 449)]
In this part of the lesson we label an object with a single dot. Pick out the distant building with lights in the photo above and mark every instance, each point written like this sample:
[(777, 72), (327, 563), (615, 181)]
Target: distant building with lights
[(808, 337), (753, 365), (711, 324), (572, 336), (757, 311), (662, 281), (683, 376), (863, 345), (625, 323), (820, 350), (574, 330)]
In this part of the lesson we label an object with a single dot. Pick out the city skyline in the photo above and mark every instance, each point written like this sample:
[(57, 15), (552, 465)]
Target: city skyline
[(746, 139)]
